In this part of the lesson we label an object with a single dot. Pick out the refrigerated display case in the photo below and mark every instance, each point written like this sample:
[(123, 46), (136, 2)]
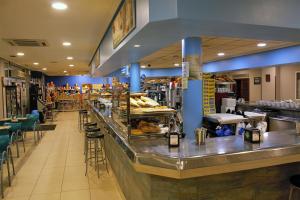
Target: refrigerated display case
[(13, 101)]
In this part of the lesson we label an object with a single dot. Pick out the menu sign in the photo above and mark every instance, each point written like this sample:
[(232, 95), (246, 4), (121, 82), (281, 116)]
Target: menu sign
[(185, 74)]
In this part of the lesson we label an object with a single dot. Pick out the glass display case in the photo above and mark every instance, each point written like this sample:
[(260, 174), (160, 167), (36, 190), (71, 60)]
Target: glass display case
[(148, 118), (12, 107), (120, 106)]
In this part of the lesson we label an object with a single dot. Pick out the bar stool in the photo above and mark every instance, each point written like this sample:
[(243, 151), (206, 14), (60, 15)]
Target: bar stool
[(96, 138), (83, 118), (88, 126), (294, 184)]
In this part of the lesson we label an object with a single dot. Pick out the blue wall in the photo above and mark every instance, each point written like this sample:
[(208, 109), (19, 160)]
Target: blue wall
[(154, 72), (72, 80), (122, 73)]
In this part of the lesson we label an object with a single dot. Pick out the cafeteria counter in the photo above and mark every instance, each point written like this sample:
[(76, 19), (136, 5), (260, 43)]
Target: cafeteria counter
[(146, 168)]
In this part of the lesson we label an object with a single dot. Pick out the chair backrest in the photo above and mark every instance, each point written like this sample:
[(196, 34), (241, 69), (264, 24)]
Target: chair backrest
[(35, 112), (29, 123)]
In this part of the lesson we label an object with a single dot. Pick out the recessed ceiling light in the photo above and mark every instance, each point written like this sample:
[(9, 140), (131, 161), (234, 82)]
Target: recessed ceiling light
[(65, 71), (59, 6), (66, 44), (20, 54), (71, 65), (143, 66), (137, 45), (176, 64), (221, 54), (44, 69), (69, 58), (261, 44), (36, 63)]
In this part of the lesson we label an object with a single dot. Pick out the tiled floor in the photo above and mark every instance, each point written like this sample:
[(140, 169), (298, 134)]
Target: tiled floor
[(55, 169)]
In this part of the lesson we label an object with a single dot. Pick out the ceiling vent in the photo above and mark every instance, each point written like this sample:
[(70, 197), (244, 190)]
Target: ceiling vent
[(27, 42)]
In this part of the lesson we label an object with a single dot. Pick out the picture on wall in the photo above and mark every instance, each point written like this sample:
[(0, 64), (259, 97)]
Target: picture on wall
[(124, 22), (257, 80)]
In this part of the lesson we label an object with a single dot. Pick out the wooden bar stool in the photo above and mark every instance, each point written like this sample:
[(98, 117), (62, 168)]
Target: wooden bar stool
[(294, 185)]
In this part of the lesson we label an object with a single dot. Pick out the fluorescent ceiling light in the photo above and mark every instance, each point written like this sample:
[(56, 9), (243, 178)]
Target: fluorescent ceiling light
[(143, 66), (44, 69), (66, 44), (221, 54), (36, 63), (261, 44), (65, 71), (176, 64), (69, 58), (59, 6), (137, 45), (67, 74), (20, 54), (71, 65)]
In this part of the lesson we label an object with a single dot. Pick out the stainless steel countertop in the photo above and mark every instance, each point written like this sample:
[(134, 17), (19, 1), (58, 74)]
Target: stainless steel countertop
[(221, 151)]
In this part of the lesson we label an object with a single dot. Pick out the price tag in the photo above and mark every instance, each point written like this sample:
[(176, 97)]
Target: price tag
[(185, 69), (185, 82)]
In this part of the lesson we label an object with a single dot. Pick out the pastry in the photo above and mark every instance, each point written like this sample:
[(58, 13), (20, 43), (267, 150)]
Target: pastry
[(136, 132), (133, 102)]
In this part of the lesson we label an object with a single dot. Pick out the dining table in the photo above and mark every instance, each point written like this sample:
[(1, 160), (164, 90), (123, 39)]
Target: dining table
[(2, 128), (18, 119)]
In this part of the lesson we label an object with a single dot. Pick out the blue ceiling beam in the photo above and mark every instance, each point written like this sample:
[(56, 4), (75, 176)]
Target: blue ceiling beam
[(282, 56)]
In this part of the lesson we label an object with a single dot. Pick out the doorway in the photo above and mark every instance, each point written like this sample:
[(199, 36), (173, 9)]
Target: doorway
[(242, 89)]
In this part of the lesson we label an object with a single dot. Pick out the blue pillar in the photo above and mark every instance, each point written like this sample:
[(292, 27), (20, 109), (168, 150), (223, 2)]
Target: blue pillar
[(135, 79), (192, 95)]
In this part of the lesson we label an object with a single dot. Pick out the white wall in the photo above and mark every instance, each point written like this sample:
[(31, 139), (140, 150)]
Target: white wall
[(281, 87), (288, 81), (254, 90), (268, 88)]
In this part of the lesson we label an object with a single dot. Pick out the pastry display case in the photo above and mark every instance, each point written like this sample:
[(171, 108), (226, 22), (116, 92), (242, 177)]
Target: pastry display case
[(139, 114), (148, 118), (120, 106)]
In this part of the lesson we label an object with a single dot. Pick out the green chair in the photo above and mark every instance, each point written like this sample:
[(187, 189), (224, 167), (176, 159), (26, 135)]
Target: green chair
[(30, 125), (16, 135), (6, 157)]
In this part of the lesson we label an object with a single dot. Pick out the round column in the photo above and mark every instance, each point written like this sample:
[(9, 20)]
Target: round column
[(192, 84), (135, 79)]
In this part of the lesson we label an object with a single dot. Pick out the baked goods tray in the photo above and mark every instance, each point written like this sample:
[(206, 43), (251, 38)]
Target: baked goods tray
[(154, 113), (148, 135)]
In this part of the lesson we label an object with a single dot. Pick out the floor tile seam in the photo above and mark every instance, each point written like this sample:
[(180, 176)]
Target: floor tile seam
[(61, 187), (36, 182)]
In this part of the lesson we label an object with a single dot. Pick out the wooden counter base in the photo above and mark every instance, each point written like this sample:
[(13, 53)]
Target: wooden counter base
[(262, 183)]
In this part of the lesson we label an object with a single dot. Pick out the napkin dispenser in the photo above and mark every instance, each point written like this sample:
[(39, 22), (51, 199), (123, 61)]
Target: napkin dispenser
[(252, 135)]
